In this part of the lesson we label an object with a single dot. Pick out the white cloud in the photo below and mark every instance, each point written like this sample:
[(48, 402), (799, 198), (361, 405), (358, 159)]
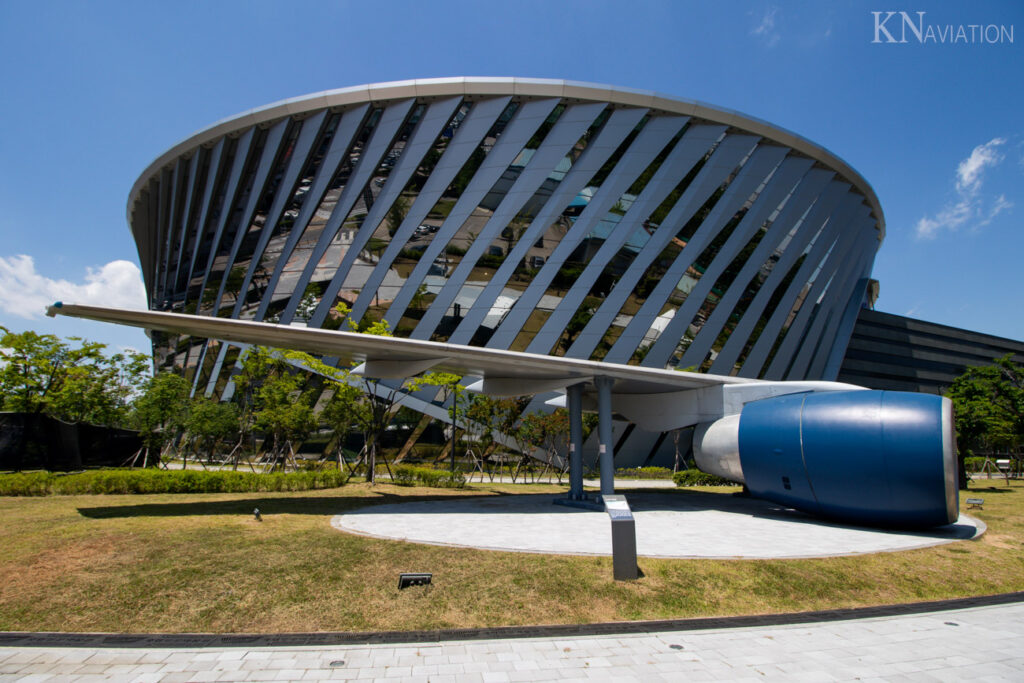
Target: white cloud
[(26, 293), (1001, 204), (968, 173), (969, 206), (766, 27)]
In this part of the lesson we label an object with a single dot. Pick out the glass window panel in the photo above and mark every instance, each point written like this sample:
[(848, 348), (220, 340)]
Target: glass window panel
[(293, 268), (256, 229), (804, 291), (299, 195), (384, 232), (471, 229), (234, 207), (571, 268), (192, 229), (442, 265)]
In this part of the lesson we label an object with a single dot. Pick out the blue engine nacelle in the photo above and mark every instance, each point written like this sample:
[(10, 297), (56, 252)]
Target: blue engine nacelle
[(881, 458)]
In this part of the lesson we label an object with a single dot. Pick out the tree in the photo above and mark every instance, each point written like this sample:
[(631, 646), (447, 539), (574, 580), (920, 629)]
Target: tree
[(159, 413), (209, 423), (680, 459), (101, 389), (40, 373), (550, 432), (486, 416), (341, 412), (530, 435), (554, 435), (374, 413), (276, 401), (480, 412), (989, 407), (32, 365), (450, 385)]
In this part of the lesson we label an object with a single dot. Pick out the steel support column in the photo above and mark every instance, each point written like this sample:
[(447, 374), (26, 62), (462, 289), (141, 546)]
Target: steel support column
[(576, 442), (604, 434)]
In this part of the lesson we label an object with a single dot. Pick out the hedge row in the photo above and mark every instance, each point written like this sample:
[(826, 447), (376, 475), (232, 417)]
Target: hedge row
[(410, 475), (164, 481), (698, 478), (644, 473)]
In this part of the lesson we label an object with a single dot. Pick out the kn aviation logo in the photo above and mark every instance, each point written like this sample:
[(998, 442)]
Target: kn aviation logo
[(899, 27)]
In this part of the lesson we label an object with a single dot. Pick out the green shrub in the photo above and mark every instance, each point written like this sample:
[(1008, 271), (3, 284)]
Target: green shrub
[(644, 473), (403, 475), (410, 475), (698, 478), (123, 481), (27, 483), (974, 463)]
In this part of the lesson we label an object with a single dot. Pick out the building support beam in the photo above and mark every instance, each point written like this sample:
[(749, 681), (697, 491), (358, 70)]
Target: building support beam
[(575, 395), (604, 434)]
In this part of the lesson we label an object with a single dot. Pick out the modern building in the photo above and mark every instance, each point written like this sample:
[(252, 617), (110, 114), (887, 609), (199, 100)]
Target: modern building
[(896, 353), (537, 215)]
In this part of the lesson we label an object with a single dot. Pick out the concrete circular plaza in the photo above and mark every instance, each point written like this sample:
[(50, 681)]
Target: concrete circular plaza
[(668, 524)]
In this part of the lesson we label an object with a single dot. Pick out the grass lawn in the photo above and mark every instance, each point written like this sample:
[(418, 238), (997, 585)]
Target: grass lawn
[(201, 563)]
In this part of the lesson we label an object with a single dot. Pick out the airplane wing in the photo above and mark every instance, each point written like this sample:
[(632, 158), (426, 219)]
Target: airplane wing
[(394, 357), (655, 399)]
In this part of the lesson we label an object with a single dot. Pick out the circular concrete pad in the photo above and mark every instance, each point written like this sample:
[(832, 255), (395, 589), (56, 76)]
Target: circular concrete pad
[(670, 524)]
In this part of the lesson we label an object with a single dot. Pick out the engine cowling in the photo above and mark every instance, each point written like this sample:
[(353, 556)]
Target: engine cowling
[(881, 458)]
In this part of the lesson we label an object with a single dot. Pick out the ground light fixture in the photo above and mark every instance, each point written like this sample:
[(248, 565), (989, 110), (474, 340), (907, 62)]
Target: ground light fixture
[(414, 579)]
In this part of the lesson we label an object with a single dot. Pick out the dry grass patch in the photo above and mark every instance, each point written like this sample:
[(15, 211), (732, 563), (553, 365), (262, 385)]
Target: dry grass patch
[(200, 562)]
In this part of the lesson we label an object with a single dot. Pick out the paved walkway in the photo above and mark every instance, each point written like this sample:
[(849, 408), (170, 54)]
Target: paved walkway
[(676, 525), (978, 643)]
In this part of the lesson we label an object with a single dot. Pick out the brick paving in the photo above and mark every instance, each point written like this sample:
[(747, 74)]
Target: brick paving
[(981, 642)]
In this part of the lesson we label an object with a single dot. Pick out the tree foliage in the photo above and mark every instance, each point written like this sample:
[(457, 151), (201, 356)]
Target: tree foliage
[(989, 404), (74, 380), (210, 423), (159, 413), (276, 398)]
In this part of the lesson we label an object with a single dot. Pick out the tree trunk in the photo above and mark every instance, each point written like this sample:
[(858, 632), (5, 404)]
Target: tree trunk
[(675, 440), (371, 462)]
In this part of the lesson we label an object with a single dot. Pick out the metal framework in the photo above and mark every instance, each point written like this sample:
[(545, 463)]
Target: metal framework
[(534, 215)]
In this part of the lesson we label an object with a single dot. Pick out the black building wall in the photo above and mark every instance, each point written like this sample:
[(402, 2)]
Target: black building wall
[(893, 352)]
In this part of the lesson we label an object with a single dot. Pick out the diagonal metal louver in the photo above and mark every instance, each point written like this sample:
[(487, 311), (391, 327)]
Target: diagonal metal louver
[(542, 215)]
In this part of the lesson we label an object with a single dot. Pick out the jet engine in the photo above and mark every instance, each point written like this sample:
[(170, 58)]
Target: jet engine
[(878, 458)]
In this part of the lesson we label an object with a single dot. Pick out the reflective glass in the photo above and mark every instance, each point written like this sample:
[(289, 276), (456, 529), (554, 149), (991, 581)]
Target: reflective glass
[(423, 236), (230, 214), (553, 243), (369, 257)]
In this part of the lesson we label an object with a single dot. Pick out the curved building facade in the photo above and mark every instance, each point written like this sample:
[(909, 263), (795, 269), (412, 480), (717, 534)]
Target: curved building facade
[(535, 215)]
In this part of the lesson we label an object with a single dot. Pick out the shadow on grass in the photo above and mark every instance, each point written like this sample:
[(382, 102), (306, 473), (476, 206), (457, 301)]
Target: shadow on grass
[(988, 489), (285, 505), (494, 502), (333, 505)]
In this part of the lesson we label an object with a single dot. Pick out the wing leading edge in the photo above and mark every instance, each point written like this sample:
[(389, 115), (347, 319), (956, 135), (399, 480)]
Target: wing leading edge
[(656, 399), (394, 357)]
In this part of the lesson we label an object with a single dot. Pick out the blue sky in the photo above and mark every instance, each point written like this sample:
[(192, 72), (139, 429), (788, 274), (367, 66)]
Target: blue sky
[(93, 92)]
